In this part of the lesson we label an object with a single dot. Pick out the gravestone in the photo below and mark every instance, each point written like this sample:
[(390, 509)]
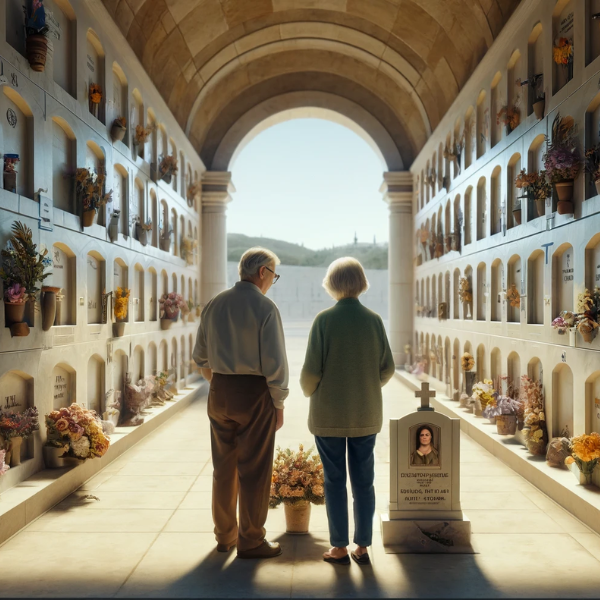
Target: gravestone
[(425, 514)]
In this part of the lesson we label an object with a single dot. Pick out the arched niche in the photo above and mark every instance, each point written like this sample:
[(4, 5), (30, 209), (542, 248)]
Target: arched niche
[(468, 306), (481, 208), (174, 360), (175, 228), (120, 362), (164, 217), (150, 149), (121, 279), (432, 358), (152, 359), (496, 201), (182, 361), (16, 392), (468, 223), (447, 360), (455, 297), (182, 187), (173, 152), (163, 356), (456, 164), (426, 355), (515, 274), (94, 65), (191, 352), (164, 283), (139, 296), (481, 291), (563, 20), (64, 151), (495, 364), (182, 292), (514, 196), (434, 299), (495, 106), (513, 369), (18, 139), (470, 136), (196, 294), (120, 94), (63, 386), (592, 402), (592, 263), (480, 363), (95, 162), (174, 282), (440, 166), (535, 370), (153, 300), (535, 51), (427, 297), (535, 288), (63, 43), (562, 399), (64, 276), (96, 286), (95, 383), (483, 120), (457, 218), (514, 72), (155, 217), (138, 201), (562, 279), (455, 369), (120, 197), (497, 285), (137, 364), (592, 33), (592, 129)]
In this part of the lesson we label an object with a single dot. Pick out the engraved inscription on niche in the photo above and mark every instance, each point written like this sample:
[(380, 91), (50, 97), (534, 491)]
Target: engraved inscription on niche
[(60, 388)]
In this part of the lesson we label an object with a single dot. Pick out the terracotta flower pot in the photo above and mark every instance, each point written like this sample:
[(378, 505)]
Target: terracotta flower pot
[(14, 312), (117, 132), (297, 517), (36, 47), (506, 424), (564, 190), (49, 306), (118, 329), (538, 109), (88, 217), (540, 206), (564, 208), (517, 216), (166, 324)]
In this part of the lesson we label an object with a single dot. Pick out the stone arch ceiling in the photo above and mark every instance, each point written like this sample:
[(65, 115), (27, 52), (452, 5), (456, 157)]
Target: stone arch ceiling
[(403, 61)]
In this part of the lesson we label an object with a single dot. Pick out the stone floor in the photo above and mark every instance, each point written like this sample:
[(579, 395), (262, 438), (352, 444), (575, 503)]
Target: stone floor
[(145, 530)]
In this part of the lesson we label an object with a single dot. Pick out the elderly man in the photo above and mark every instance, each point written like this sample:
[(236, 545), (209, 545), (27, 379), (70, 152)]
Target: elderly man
[(241, 350)]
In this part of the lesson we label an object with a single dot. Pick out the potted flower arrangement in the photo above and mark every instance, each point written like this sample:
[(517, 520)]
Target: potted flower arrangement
[(513, 296), (36, 30), (73, 432), (510, 117), (534, 432), (539, 99), (193, 192), (587, 312), (167, 167), (562, 52), (89, 187), (142, 230), (120, 310), (504, 410), (297, 482), (564, 322), (10, 173), (118, 129), (585, 455), (467, 362), (14, 428), (465, 293), (95, 98), (22, 268), (563, 161), (170, 305), (164, 240), (592, 165), (534, 186), (483, 394), (188, 248)]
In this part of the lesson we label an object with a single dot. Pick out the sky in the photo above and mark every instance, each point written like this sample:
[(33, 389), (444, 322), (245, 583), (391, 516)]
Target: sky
[(311, 182)]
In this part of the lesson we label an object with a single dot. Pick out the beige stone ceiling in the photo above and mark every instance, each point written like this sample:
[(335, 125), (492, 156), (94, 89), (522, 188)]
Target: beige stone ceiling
[(402, 61)]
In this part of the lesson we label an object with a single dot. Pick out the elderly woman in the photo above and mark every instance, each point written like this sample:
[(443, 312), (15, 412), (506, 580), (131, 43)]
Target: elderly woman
[(348, 361)]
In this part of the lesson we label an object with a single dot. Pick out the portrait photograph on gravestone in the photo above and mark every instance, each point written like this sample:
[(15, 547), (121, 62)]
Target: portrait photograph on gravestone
[(424, 441)]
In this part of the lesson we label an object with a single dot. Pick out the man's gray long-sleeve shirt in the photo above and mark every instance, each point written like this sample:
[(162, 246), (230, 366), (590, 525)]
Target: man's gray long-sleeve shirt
[(241, 333)]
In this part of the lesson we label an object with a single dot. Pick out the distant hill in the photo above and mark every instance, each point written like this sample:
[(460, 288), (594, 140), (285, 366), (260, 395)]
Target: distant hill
[(370, 256)]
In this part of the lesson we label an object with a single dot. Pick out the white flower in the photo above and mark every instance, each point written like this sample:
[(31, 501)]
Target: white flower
[(81, 447)]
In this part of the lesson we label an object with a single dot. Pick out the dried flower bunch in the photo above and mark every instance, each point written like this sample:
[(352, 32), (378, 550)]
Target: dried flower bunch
[(535, 185), (592, 162), (564, 321), (19, 424), (532, 397), (10, 161), (297, 477), (587, 310), (193, 192), (502, 405), (513, 296), (147, 226), (562, 51), (78, 431), (15, 294), (562, 159), (142, 134), (167, 165), (188, 248), (171, 304), (467, 362), (464, 291), (585, 452), (484, 392), (3, 466), (22, 264), (120, 122), (509, 116), (121, 303), (95, 93), (90, 189)]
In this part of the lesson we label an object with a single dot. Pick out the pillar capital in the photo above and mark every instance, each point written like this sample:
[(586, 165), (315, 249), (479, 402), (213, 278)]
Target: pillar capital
[(216, 190), (397, 190)]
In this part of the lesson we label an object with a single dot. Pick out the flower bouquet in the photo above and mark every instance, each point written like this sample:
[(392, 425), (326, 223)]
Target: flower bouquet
[(562, 53), (484, 394), (534, 186), (188, 249), (10, 172), (14, 428), (193, 192), (120, 309), (170, 305), (513, 296), (89, 188), (167, 167), (141, 135), (505, 410), (563, 161), (510, 117), (564, 322), (585, 454), (587, 311), (74, 432), (534, 432), (297, 482), (95, 98), (592, 165)]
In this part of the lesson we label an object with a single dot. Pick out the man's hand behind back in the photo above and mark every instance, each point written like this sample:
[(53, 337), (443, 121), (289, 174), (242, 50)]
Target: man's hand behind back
[(279, 416)]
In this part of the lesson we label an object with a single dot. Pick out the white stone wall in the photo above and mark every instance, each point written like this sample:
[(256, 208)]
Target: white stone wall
[(539, 256), (55, 131)]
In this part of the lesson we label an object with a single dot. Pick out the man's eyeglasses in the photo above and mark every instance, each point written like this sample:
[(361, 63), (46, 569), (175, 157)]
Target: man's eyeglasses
[(276, 278)]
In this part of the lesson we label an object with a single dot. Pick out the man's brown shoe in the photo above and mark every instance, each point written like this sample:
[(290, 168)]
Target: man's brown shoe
[(265, 550), (226, 547)]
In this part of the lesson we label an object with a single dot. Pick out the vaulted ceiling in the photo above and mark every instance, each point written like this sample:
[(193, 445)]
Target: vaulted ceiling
[(219, 63)]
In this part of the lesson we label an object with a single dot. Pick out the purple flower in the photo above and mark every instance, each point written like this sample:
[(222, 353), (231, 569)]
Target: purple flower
[(15, 293)]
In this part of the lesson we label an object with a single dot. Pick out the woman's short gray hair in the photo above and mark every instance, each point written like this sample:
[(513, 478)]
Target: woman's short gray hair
[(345, 279), (255, 258)]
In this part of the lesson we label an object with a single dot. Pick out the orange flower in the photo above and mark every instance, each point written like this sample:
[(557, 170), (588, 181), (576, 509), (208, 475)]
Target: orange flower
[(95, 93)]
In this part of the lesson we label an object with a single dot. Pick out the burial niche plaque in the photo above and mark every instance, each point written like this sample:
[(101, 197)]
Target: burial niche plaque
[(424, 514)]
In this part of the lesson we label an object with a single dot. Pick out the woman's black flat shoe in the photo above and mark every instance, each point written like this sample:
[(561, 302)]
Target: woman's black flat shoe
[(361, 559), (344, 560)]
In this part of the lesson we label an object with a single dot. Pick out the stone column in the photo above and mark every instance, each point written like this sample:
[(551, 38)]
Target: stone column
[(397, 189), (216, 193)]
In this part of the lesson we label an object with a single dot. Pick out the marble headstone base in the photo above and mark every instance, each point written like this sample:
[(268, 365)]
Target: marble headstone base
[(403, 536)]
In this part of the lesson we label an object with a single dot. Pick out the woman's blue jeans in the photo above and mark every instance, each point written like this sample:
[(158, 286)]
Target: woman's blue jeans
[(361, 465)]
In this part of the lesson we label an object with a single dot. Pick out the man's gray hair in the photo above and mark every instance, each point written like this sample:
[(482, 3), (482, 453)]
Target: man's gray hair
[(345, 279), (255, 258)]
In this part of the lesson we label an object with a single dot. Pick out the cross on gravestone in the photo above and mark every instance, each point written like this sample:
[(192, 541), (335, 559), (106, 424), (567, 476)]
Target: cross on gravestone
[(425, 394)]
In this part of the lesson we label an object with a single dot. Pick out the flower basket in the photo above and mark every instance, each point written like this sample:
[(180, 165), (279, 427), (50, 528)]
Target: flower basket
[(538, 108), (88, 217), (506, 424), (36, 48), (297, 517)]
